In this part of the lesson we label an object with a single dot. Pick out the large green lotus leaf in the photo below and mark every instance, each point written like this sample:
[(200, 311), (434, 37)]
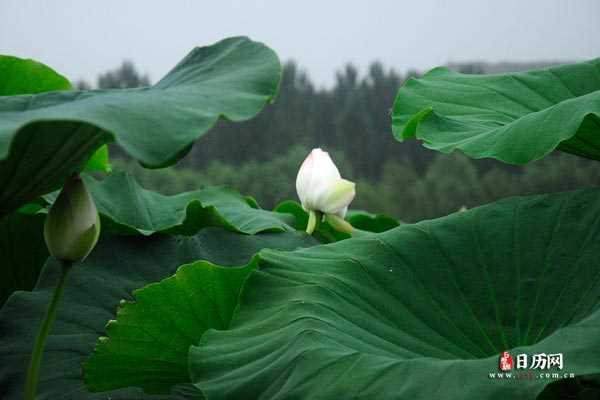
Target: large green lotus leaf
[(127, 208), (117, 266), (294, 209), (21, 241), (134, 354), (370, 222), (149, 349), (422, 311), (23, 252), (515, 118), (21, 76), (46, 137)]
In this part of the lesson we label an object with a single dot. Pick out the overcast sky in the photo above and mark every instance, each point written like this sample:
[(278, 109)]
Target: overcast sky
[(84, 38)]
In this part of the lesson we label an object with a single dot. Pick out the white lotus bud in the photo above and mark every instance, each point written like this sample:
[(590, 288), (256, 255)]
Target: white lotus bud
[(321, 188), (72, 226)]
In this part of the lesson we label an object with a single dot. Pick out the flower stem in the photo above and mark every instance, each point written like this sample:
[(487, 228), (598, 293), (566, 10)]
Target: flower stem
[(314, 218), (40, 341)]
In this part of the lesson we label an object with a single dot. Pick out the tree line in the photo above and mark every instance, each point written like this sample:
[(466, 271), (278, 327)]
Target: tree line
[(351, 119)]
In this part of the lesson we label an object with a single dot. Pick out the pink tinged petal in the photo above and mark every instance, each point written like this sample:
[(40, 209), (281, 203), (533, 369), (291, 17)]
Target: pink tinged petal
[(326, 169), (337, 197)]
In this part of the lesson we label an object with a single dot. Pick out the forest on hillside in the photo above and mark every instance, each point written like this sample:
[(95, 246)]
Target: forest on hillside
[(351, 119)]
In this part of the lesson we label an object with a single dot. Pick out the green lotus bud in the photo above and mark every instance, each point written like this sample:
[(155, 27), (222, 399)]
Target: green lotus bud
[(72, 226)]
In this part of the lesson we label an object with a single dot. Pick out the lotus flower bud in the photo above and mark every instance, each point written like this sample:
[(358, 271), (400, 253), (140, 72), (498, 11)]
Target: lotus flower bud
[(321, 189), (72, 226)]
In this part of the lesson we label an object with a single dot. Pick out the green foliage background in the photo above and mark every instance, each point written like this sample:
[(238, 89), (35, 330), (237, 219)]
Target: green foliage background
[(437, 300), (446, 184), (350, 119)]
